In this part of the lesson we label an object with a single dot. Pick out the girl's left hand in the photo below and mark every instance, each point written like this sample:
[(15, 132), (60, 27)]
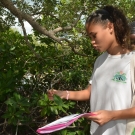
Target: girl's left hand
[(101, 117)]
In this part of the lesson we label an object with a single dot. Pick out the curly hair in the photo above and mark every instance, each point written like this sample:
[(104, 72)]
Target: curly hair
[(116, 16)]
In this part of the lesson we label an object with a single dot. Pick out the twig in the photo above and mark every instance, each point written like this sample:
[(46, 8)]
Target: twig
[(33, 130), (16, 129)]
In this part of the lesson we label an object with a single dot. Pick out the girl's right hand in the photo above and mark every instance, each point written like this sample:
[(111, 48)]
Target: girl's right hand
[(53, 92)]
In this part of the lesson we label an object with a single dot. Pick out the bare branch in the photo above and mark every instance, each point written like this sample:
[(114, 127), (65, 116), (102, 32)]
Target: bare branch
[(26, 39), (68, 27), (19, 14), (62, 29)]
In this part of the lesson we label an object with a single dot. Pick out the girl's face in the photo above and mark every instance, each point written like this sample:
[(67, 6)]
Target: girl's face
[(102, 37)]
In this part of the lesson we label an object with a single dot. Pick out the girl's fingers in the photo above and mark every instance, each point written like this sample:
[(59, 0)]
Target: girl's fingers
[(51, 93)]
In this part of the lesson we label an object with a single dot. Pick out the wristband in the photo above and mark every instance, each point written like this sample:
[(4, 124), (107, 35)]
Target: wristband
[(67, 95)]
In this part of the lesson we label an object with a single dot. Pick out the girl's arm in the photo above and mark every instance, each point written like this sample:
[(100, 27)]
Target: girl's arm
[(103, 116), (81, 95), (124, 114)]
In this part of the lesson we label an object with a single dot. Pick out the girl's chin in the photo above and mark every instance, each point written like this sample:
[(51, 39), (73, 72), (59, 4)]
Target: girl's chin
[(99, 50)]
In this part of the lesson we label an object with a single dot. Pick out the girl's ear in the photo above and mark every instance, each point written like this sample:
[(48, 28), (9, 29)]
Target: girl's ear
[(110, 27)]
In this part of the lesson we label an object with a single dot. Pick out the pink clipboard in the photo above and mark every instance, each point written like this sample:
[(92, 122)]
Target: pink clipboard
[(61, 123)]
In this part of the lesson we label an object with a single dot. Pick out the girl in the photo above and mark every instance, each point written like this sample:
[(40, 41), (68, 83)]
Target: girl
[(109, 88)]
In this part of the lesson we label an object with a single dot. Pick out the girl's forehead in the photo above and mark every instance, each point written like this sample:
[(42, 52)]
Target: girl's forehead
[(93, 27), (92, 24)]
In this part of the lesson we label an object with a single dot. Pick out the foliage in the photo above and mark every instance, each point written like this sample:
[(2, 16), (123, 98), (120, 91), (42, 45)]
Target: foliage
[(25, 79)]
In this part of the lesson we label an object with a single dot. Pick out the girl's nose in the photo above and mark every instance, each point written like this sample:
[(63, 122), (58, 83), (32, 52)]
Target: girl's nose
[(93, 42)]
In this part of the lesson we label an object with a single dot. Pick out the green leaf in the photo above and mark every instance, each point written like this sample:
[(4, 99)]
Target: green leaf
[(58, 100), (10, 102), (64, 132)]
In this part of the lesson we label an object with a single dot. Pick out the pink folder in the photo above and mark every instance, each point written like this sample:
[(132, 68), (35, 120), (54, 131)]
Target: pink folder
[(61, 123)]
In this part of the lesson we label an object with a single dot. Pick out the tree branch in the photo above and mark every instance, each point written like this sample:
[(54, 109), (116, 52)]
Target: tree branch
[(69, 27), (26, 39), (15, 11), (23, 16)]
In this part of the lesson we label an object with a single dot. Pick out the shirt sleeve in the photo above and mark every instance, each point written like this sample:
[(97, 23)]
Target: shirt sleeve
[(90, 81), (97, 63), (95, 66)]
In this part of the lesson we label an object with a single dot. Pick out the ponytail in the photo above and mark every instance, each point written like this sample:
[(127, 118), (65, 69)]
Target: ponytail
[(121, 26)]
